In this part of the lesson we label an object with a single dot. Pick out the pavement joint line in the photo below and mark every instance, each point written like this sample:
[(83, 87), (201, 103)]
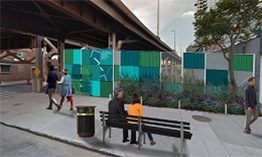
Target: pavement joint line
[(218, 137), (206, 148), (71, 142), (243, 130)]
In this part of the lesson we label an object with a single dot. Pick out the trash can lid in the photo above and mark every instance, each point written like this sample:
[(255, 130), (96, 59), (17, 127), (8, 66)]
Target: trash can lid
[(85, 107)]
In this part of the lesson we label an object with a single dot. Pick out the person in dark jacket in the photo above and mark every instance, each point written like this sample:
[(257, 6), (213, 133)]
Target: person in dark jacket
[(116, 107), (52, 78), (250, 105)]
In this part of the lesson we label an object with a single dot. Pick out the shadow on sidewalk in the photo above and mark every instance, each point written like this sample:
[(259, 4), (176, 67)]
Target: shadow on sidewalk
[(128, 148), (72, 114), (257, 135)]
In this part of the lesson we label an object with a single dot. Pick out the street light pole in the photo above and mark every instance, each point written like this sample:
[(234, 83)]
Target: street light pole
[(174, 39), (158, 17)]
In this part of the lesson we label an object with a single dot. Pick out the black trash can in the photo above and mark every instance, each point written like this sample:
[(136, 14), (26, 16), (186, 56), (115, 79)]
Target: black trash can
[(85, 121)]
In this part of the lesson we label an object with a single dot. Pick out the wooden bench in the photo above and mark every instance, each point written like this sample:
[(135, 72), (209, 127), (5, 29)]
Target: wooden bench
[(165, 127)]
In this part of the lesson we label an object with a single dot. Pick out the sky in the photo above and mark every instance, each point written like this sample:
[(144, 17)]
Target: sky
[(174, 15)]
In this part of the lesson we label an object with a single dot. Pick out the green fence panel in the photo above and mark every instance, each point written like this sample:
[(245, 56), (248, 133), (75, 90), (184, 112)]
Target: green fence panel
[(243, 63), (78, 88), (106, 88), (129, 58), (106, 73), (149, 59), (217, 77), (130, 72), (68, 53), (86, 72), (116, 72), (106, 57), (86, 54), (194, 61)]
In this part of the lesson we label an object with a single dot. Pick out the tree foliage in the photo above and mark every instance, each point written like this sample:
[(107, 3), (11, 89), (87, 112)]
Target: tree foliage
[(229, 22)]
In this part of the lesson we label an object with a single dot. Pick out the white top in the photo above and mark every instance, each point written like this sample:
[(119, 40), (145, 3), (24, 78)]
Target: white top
[(61, 81)]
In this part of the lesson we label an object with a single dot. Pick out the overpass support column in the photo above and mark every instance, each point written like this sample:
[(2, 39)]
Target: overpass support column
[(37, 82), (112, 41), (61, 48)]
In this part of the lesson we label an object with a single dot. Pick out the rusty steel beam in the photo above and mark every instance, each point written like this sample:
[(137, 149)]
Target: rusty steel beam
[(72, 9), (105, 7)]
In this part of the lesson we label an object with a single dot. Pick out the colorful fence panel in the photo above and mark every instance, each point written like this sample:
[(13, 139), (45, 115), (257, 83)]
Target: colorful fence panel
[(217, 77), (93, 71), (243, 63), (194, 61), (149, 59), (129, 58)]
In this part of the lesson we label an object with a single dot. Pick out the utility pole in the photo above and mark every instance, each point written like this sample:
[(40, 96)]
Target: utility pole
[(158, 17), (174, 39)]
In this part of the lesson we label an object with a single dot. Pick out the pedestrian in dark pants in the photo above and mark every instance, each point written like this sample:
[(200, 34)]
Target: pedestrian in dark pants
[(250, 104), (116, 107), (51, 80)]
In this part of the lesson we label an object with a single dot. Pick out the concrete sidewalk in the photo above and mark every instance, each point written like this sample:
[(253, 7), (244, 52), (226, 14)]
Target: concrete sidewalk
[(223, 136)]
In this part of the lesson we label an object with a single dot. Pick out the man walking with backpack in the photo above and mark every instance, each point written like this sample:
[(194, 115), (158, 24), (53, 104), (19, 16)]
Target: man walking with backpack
[(250, 104)]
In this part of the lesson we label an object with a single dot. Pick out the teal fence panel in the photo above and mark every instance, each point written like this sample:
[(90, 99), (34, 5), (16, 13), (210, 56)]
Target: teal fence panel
[(106, 73), (130, 58), (95, 72), (106, 57), (173, 87), (217, 77), (95, 57), (130, 72), (95, 88), (194, 61), (77, 56), (86, 87), (86, 54), (149, 73)]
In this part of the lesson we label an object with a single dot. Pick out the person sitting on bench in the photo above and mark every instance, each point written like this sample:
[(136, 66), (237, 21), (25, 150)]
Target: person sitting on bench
[(136, 109), (116, 107)]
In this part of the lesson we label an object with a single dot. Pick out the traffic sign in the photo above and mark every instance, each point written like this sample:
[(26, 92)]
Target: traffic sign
[(37, 71)]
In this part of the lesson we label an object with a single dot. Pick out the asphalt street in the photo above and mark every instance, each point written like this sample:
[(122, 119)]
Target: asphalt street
[(15, 142)]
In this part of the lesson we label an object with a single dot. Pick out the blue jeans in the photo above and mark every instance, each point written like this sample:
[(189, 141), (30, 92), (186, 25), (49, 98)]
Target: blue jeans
[(150, 137)]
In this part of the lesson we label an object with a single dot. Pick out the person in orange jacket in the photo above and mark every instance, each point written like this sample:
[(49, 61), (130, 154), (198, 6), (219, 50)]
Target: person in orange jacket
[(136, 109)]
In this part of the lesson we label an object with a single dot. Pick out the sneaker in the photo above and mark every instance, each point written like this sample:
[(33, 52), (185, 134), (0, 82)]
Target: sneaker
[(59, 108), (247, 131), (125, 140), (49, 108), (134, 142), (152, 143)]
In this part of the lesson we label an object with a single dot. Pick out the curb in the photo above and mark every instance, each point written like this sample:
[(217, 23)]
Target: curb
[(73, 143)]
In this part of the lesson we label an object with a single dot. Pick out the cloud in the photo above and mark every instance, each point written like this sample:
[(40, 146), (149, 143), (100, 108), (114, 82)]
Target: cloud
[(174, 14), (188, 14)]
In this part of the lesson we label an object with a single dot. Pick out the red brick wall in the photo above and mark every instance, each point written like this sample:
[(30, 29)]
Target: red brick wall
[(18, 72)]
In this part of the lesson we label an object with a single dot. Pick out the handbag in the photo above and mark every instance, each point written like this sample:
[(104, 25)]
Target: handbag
[(73, 90)]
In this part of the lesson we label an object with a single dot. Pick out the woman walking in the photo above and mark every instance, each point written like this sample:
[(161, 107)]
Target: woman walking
[(136, 109), (66, 90)]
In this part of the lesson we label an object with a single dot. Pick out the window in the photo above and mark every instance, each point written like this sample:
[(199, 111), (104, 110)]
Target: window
[(21, 54), (5, 68)]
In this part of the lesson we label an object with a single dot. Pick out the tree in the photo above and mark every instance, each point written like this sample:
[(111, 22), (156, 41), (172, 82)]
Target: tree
[(230, 21)]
